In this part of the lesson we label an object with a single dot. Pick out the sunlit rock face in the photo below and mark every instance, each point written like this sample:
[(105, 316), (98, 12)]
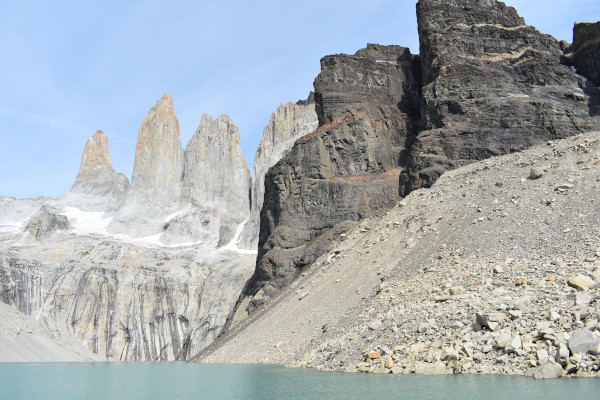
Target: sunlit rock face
[(97, 186), (157, 175)]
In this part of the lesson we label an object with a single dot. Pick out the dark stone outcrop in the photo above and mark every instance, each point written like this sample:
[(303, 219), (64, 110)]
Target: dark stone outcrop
[(347, 169), (491, 85), (585, 51), (485, 84)]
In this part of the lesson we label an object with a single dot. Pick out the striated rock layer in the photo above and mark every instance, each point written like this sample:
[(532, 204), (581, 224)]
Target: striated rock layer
[(485, 84), (157, 174), (491, 85), (122, 301), (347, 169), (288, 123), (97, 186)]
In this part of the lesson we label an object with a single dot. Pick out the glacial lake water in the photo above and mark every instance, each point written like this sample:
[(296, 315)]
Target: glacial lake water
[(163, 381)]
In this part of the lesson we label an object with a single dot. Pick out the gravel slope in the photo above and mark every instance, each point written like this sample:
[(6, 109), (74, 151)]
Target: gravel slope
[(24, 339), (384, 293)]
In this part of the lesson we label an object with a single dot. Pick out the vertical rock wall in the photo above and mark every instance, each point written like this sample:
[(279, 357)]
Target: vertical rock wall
[(157, 174), (348, 169), (491, 85), (287, 124)]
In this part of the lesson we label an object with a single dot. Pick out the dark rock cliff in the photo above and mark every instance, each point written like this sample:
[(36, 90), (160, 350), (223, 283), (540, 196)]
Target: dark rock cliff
[(491, 85), (586, 50), (347, 169), (485, 84)]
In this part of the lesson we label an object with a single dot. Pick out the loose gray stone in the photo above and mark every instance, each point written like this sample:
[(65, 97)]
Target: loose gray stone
[(536, 173), (513, 344), (584, 341), (548, 371)]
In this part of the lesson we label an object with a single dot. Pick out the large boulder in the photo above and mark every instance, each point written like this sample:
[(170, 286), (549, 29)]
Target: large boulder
[(47, 222), (584, 341)]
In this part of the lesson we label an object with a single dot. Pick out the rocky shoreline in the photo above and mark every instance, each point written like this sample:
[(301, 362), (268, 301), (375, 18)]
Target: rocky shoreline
[(537, 319), (493, 270)]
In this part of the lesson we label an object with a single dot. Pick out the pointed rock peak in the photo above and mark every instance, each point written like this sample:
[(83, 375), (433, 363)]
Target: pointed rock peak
[(166, 101), (163, 110), (97, 177), (96, 152), (215, 129)]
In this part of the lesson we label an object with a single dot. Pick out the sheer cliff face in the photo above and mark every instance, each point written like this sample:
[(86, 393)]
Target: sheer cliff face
[(345, 170), (287, 124), (586, 50), (491, 85), (124, 302), (216, 174), (97, 186), (485, 84), (158, 165), (157, 174)]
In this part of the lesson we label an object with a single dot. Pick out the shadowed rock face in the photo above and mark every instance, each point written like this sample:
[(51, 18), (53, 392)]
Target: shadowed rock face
[(97, 186), (287, 124), (157, 174), (491, 85), (485, 84), (345, 170), (586, 49)]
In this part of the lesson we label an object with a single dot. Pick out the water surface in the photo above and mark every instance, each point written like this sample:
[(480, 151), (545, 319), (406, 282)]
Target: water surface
[(201, 381)]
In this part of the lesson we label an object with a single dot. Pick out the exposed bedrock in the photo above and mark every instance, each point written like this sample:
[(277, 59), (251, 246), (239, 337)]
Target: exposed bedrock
[(97, 186), (157, 174), (345, 170), (47, 222), (485, 84), (216, 174), (125, 302), (585, 50), (491, 85), (287, 124)]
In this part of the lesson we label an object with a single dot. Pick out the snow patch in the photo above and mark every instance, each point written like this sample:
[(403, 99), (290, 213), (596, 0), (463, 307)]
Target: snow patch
[(87, 222), (12, 226), (232, 246)]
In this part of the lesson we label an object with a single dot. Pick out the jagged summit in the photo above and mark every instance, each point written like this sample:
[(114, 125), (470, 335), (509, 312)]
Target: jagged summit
[(216, 173)]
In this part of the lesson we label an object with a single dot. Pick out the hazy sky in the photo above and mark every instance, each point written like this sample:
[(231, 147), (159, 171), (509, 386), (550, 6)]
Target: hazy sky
[(69, 68)]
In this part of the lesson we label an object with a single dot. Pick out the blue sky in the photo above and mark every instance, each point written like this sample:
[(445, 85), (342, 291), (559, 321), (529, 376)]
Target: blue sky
[(69, 68)]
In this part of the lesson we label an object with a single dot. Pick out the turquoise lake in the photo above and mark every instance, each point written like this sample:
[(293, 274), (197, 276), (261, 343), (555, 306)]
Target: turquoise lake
[(200, 381)]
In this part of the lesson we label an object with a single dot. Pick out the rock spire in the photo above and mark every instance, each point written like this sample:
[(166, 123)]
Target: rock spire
[(157, 174), (97, 186)]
